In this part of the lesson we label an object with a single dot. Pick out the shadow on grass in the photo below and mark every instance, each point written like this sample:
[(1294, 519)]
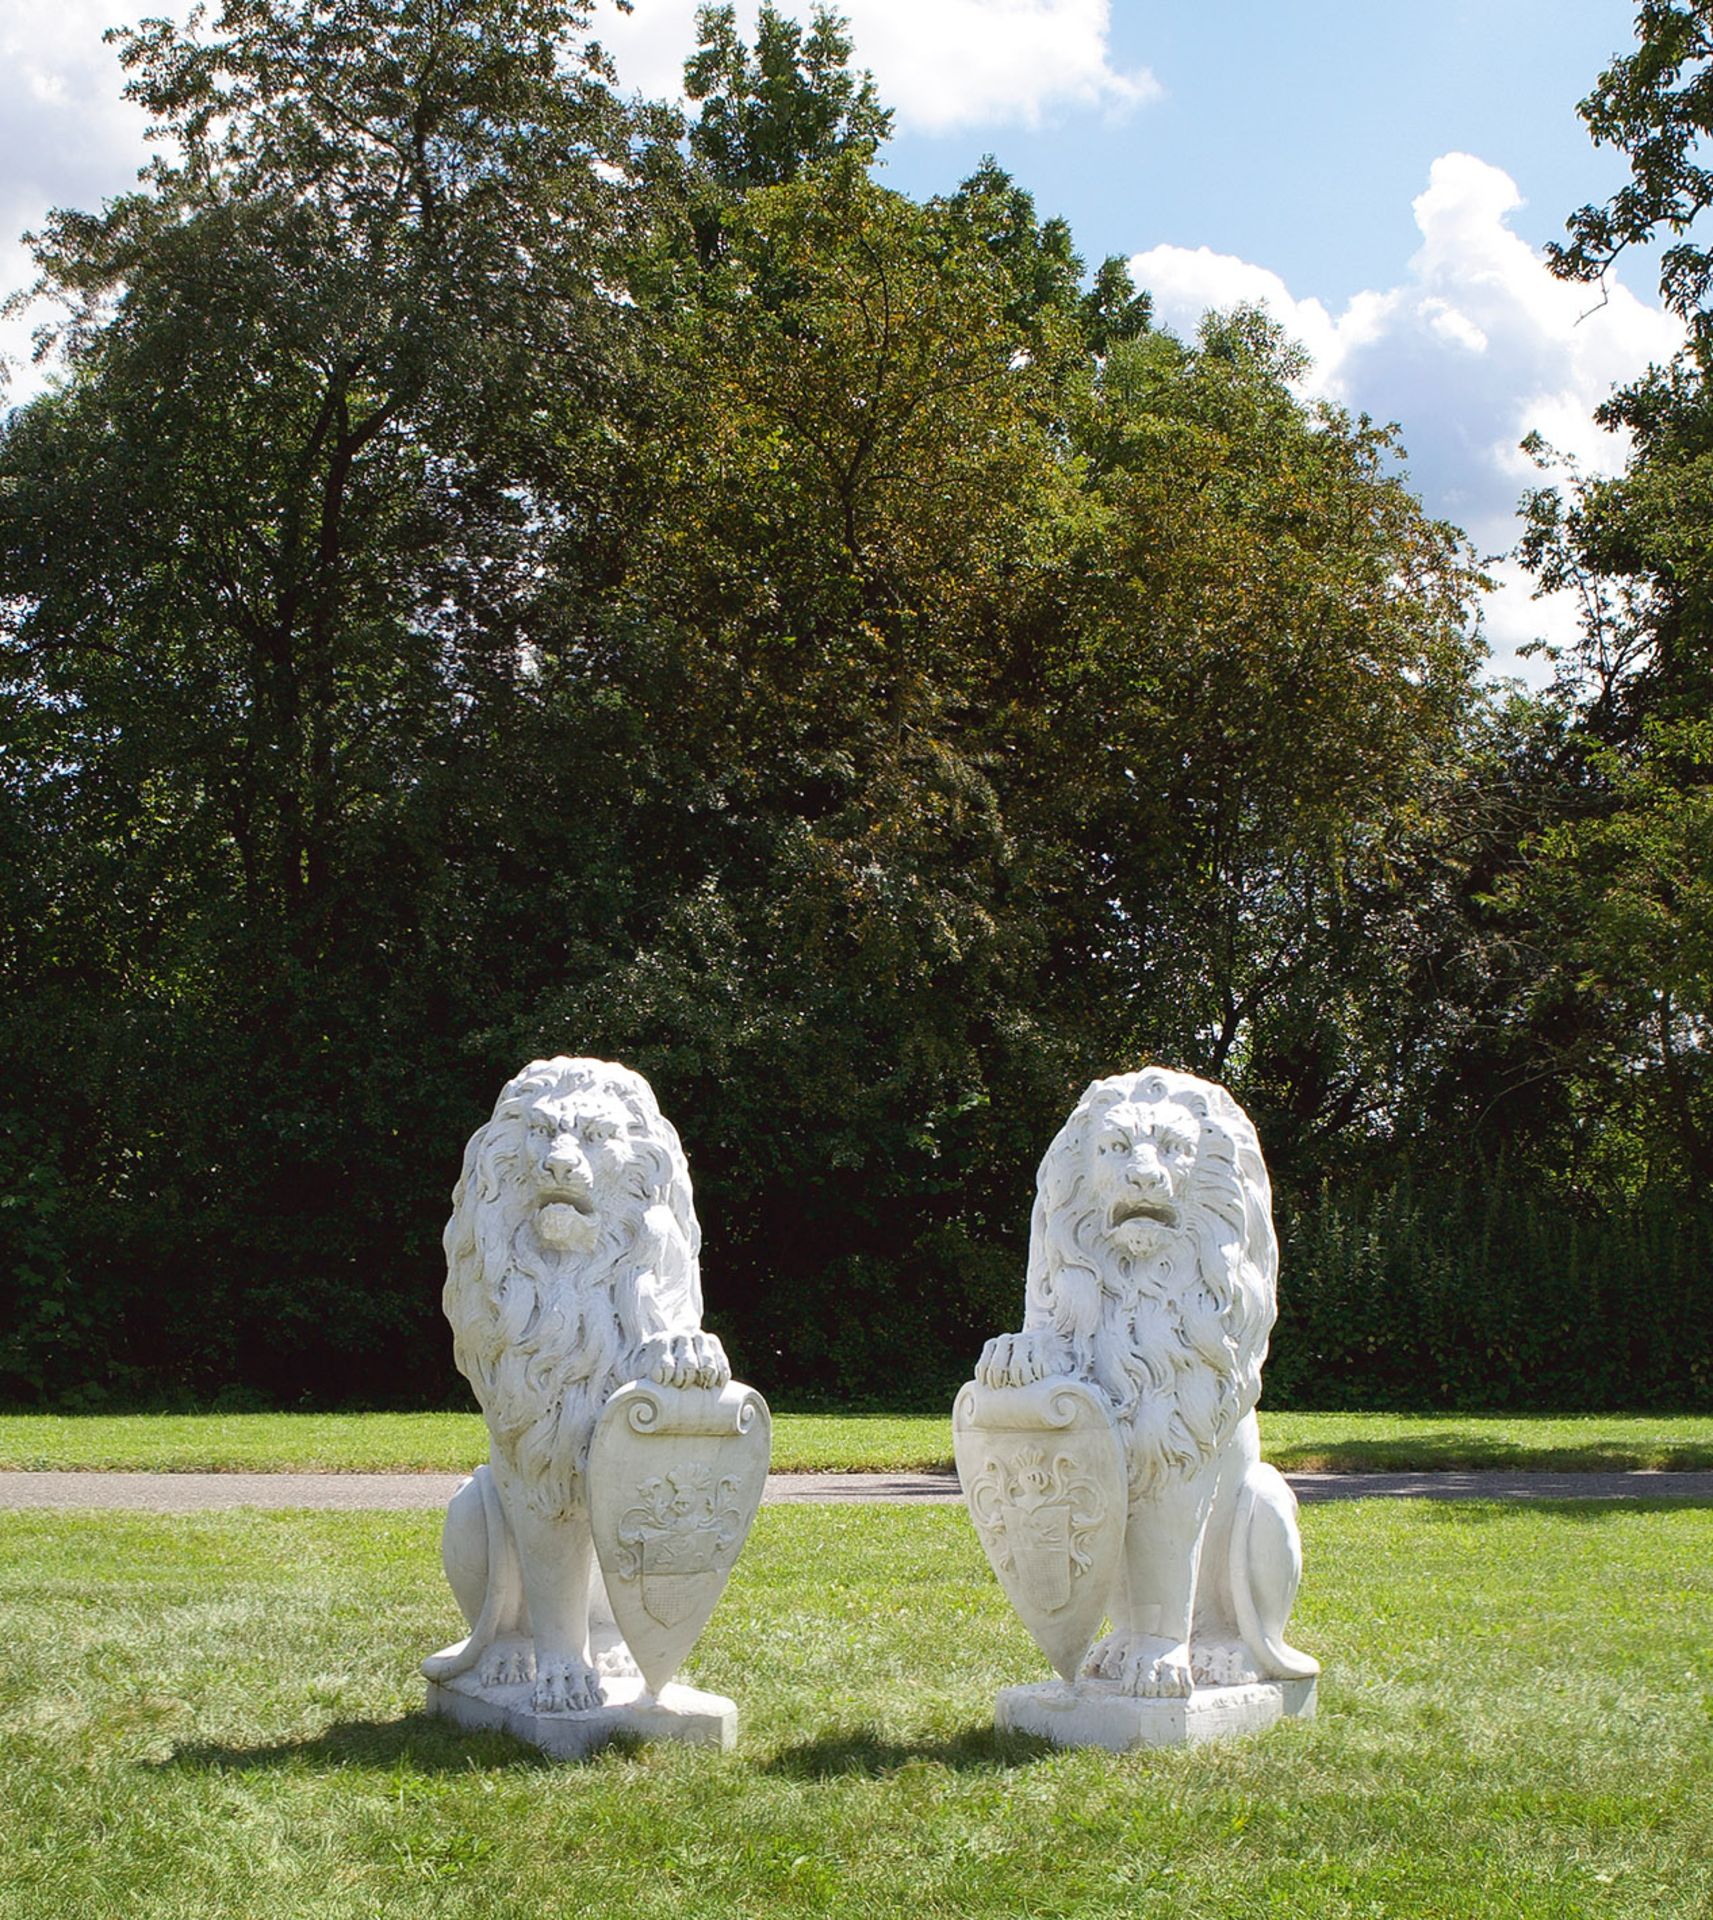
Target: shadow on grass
[(1473, 1451), (428, 1744), (868, 1752), (422, 1741), (1476, 1510)]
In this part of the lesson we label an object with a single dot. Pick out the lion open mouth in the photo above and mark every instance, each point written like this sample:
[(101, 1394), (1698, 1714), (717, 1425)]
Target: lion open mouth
[(1129, 1211), (565, 1219), (580, 1199)]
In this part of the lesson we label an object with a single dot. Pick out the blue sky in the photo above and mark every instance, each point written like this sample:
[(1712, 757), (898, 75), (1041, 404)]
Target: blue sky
[(1381, 173), (1296, 132)]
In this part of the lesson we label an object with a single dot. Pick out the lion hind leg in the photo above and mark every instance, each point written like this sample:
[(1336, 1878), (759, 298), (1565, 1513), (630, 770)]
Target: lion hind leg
[(481, 1561), (1266, 1569)]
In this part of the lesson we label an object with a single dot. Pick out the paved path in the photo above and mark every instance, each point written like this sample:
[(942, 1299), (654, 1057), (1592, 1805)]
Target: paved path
[(189, 1492)]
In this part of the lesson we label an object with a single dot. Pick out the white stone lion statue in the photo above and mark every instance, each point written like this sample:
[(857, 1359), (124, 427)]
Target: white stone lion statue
[(1152, 1269), (571, 1270)]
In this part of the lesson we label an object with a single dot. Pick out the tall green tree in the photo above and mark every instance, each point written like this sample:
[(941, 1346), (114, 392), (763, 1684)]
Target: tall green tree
[(764, 114), (267, 543), (856, 495), (984, 642), (1607, 897), (1264, 679)]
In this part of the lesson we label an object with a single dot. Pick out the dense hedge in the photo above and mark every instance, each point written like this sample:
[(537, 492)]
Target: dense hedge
[(1413, 1296), (1474, 1295), (1477, 1295)]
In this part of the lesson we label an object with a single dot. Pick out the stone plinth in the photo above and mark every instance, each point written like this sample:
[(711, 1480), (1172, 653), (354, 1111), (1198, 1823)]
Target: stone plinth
[(1093, 1713), (676, 1713)]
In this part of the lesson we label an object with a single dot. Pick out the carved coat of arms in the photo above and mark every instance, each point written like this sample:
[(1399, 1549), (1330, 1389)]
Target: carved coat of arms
[(1043, 1477), (1041, 1509), (687, 1524), (675, 1477)]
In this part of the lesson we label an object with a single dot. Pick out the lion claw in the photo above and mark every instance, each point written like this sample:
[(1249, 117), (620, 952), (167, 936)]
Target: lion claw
[(1016, 1360), (1222, 1666), (566, 1686), (1144, 1665), (507, 1663), (688, 1360)]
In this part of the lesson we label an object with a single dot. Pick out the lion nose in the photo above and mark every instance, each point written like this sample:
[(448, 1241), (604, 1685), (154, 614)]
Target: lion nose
[(1148, 1171), (565, 1159)]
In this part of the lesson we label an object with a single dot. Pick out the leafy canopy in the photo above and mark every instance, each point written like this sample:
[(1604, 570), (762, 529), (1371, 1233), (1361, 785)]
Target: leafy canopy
[(1656, 106), (764, 114)]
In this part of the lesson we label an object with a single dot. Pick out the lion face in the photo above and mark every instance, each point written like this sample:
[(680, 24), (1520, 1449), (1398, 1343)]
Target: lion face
[(576, 1155), (1140, 1163), (1153, 1260), (573, 1240), (579, 1144)]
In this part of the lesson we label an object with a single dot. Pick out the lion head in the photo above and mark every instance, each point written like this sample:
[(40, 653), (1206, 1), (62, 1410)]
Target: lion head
[(572, 1235), (1152, 1255)]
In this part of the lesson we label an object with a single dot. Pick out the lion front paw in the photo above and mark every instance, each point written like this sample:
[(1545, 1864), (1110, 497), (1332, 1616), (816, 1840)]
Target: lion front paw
[(1019, 1360), (565, 1686), (1144, 1664), (686, 1360), (507, 1663), (1222, 1666)]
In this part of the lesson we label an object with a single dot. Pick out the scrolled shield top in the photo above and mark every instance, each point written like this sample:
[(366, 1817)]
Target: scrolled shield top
[(675, 1477), (1043, 1478)]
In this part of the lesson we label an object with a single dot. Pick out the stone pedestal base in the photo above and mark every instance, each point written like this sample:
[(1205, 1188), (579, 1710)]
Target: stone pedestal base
[(676, 1713), (1093, 1713)]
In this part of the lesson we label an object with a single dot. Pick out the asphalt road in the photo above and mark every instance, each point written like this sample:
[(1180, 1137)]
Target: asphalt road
[(193, 1492)]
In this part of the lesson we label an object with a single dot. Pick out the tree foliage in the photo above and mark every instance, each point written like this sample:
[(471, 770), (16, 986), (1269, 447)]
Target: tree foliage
[(505, 570), (1608, 899), (1656, 105), (1249, 558), (763, 114), (267, 547)]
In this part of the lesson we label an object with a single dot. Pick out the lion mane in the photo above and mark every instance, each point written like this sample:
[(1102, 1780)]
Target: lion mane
[(1175, 1336), (545, 1337)]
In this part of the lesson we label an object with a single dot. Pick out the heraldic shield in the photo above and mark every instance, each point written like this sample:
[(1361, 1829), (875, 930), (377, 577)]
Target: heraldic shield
[(1043, 1477), (675, 1477)]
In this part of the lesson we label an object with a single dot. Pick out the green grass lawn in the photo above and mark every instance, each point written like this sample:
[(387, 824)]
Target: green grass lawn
[(219, 1716), (802, 1442)]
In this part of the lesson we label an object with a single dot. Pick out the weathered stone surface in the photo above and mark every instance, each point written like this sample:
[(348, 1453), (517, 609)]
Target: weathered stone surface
[(676, 1713), (1151, 1291), (1095, 1713), (573, 1281)]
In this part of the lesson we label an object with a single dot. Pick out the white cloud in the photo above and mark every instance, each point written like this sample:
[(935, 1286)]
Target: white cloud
[(940, 64), (1516, 618), (1187, 281), (1476, 346), (66, 136)]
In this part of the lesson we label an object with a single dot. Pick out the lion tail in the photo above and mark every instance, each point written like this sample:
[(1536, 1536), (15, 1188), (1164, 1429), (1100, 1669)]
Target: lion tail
[(1266, 1567), (484, 1572)]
